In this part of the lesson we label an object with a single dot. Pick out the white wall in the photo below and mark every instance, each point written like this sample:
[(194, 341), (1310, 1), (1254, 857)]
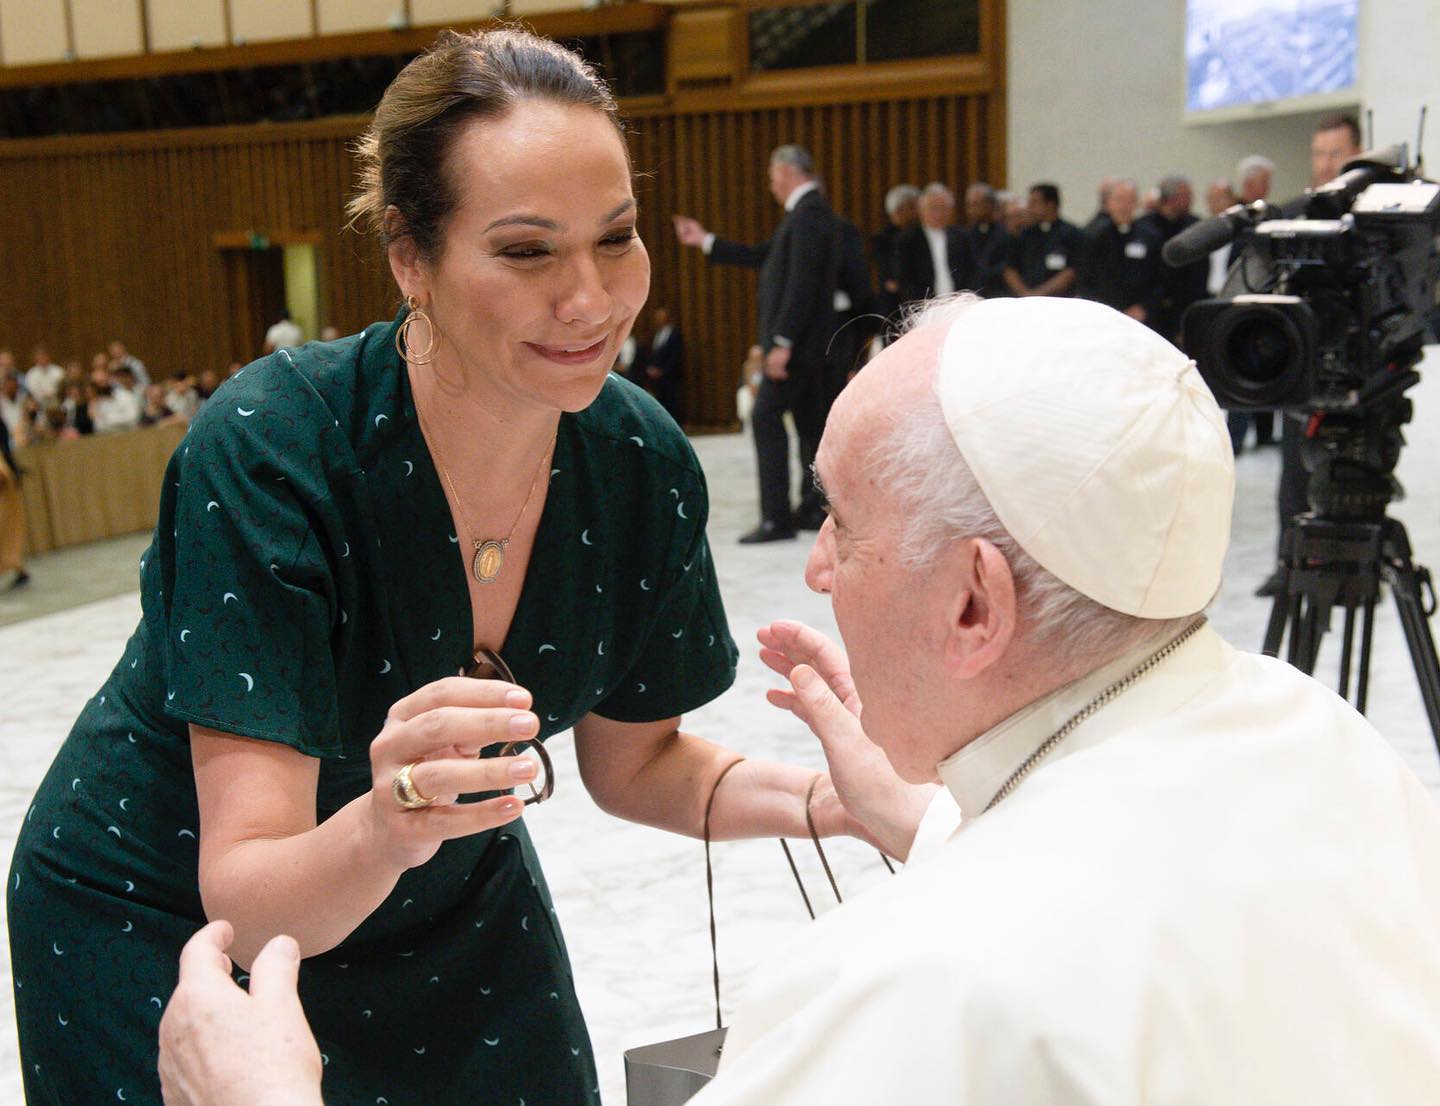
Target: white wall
[(1096, 87)]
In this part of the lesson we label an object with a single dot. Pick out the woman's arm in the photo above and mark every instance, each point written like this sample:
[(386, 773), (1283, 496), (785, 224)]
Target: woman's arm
[(268, 868), (651, 773)]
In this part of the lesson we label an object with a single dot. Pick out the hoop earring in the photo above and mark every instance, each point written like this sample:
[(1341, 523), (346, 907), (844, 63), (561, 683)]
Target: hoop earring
[(402, 336)]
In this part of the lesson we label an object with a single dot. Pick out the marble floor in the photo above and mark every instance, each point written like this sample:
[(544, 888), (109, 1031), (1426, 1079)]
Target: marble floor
[(633, 900)]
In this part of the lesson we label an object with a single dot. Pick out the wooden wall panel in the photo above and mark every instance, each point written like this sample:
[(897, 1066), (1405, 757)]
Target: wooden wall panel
[(123, 244)]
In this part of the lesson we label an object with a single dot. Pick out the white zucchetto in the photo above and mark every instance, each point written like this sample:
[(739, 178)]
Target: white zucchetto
[(1099, 446)]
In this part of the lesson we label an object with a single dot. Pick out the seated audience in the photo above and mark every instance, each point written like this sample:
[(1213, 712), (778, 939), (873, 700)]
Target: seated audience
[(1155, 869)]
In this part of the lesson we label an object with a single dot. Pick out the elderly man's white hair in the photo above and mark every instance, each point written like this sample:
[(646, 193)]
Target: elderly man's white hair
[(938, 188), (798, 157), (918, 461), (1253, 166), (899, 196)]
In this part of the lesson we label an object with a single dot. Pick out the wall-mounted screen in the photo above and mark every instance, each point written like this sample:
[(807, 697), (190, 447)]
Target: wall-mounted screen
[(1249, 56)]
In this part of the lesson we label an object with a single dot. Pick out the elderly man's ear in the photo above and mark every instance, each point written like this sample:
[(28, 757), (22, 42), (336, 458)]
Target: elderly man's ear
[(982, 613)]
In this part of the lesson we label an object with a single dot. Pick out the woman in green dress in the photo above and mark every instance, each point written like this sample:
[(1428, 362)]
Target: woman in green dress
[(285, 743)]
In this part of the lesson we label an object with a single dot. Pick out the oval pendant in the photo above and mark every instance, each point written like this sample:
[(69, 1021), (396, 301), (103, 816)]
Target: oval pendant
[(489, 560)]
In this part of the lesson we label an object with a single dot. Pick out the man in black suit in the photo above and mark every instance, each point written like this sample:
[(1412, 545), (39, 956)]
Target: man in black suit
[(855, 322), (663, 363), (798, 272), (989, 241), (1119, 259), (1181, 287), (901, 213), (1043, 257), (934, 258)]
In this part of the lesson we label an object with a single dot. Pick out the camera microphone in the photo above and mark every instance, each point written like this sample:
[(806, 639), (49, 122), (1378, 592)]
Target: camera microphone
[(1205, 237)]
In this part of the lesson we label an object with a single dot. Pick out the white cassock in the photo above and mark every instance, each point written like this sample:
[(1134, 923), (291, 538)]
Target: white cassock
[(1222, 888)]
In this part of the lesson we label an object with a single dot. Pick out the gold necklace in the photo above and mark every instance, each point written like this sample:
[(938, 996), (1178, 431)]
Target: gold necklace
[(489, 556), (1114, 691)]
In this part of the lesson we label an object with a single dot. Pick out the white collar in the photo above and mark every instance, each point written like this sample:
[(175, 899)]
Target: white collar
[(977, 771), (934, 232), (799, 194)]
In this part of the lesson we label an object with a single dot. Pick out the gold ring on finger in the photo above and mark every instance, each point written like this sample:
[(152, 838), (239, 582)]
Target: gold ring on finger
[(407, 795)]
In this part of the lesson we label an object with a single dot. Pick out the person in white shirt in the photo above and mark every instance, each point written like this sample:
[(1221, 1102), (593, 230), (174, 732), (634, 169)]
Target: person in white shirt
[(1141, 866), (43, 379), (115, 406)]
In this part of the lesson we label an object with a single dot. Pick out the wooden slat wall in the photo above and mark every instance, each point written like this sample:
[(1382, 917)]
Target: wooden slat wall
[(114, 238), (118, 243)]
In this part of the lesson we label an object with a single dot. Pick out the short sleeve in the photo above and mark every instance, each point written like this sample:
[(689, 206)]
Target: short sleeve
[(687, 657), (250, 598)]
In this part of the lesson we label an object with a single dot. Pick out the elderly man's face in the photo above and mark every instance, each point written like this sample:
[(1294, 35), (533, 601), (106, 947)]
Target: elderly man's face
[(892, 617), (1120, 203), (1255, 187), (937, 210)]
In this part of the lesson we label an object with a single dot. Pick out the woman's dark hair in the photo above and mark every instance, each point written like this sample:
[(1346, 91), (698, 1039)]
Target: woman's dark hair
[(404, 152)]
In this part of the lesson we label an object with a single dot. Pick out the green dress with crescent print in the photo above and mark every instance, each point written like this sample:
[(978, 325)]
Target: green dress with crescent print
[(303, 577)]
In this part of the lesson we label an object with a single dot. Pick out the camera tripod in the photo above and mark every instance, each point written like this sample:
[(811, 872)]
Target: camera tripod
[(1329, 564)]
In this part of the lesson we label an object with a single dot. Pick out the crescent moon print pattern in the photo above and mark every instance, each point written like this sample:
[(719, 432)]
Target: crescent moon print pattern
[(323, 585)]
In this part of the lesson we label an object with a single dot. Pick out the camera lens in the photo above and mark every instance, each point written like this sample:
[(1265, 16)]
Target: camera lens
[(1264, 353)]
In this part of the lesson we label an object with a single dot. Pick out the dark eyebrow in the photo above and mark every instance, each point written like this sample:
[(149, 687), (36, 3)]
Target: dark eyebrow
[(524, 220), (619, 211), (529, 220)]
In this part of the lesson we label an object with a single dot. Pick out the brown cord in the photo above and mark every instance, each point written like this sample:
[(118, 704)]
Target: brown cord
[(710, 873), (710, 888), (794, 871), (815, 837)]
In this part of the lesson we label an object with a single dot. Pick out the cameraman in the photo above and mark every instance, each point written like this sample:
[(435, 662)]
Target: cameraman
[(1335, 141)]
